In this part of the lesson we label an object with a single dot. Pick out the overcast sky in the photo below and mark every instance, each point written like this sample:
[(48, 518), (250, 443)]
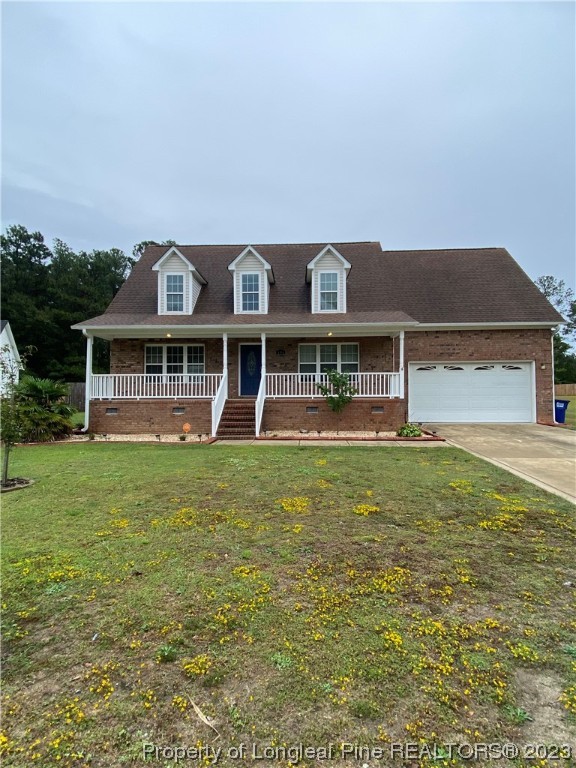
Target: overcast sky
[(436, 125)]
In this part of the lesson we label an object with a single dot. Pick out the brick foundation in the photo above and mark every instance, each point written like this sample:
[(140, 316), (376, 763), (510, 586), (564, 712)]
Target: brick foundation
[(283, 415), (135, 417)]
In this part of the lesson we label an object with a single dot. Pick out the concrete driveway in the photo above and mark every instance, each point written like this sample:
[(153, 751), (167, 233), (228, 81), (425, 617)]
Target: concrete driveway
[(546, 456)]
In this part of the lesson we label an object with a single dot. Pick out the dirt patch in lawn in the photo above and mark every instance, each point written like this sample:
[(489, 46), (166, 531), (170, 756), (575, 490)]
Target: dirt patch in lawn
[(539, 694)]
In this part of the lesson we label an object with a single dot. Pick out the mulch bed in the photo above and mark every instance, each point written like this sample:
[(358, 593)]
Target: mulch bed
[(15, 484)]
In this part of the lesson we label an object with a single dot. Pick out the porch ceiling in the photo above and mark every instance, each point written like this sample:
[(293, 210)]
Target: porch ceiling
[(180, 331)]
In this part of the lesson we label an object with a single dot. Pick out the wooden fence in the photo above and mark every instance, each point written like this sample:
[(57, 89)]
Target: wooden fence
[(565, 389), (76, 394)]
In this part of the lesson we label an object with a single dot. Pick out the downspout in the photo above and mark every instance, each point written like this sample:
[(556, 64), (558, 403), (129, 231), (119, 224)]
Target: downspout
[(553, 384), (401, 364), (87, 393)]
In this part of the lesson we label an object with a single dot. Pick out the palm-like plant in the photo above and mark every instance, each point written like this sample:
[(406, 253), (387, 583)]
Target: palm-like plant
[(44, 414)]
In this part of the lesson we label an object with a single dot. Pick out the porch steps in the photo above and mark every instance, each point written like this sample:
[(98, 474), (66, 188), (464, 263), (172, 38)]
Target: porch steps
[(238, 420)]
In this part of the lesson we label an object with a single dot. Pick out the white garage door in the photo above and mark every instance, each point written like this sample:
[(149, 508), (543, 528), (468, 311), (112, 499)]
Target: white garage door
[(469, 392)]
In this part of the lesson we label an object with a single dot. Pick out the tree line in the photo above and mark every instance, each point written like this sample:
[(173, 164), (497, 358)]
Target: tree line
[(46, 290)]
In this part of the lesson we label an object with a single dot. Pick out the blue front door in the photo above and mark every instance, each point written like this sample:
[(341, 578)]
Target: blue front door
[(250, 368)]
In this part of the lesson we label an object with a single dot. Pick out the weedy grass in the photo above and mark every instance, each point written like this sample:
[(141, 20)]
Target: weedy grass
[(294, 595), (570, 411)]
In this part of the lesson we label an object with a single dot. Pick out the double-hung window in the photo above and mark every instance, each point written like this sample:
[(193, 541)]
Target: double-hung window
[(175, 359), (174, 293), (319, 358), (250, 292), (328, 291)]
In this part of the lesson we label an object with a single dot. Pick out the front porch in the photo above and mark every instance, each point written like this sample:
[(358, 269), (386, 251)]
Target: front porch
[(159, 385)]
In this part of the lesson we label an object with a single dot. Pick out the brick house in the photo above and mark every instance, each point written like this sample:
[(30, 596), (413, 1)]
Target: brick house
[(235, 339)]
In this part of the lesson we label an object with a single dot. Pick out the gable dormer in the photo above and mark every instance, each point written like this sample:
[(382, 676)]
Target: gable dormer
[(252, 276), (179, 283), (327, 273)]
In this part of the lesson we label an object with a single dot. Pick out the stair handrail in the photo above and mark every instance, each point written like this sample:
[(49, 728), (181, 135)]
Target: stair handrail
[(219, 402), (260, 400)]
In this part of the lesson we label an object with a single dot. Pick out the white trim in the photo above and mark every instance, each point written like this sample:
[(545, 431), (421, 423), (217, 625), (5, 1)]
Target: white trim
[(185, 309), (480, 326), (245, 344), (249, 250), (338, 345), (286, 330), (165, 346), (12, 344), (553, 377), (339, 277), (401, 364), (87, 387), (263, 363), (533, 393), (173, 251), (240, 309), (312, 264)]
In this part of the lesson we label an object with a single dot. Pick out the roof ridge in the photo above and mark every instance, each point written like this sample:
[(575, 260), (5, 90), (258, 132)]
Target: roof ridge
[(443, 250), (243, 245)]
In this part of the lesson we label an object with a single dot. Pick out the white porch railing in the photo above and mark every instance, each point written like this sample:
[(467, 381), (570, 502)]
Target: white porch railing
[(260, 400), (134, 386), (306, 384), (219, 402)]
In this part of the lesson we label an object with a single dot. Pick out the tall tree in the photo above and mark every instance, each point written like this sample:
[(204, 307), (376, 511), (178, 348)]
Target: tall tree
[(562, 297), (81, 286), (46, 291), (139, 248), (24, 292)]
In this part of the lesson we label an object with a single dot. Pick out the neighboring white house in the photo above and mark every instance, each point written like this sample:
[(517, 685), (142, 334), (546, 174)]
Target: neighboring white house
[(10, 357)]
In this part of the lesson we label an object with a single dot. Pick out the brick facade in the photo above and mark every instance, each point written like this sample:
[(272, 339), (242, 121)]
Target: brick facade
[(465, 346), (127, 355), (358, 415), (134, 417), (376, 354)]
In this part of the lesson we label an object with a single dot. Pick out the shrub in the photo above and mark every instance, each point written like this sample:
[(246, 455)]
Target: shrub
[(409, 430), (43, 413), (338, 392)]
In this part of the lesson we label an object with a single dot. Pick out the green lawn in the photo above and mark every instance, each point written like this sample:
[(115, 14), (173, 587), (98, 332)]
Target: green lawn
[(295, 595), (570, 411)]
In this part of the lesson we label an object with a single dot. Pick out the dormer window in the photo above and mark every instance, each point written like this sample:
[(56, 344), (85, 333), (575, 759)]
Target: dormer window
[(250, 292), (175, 293), (327, 274), (252, 276), (179, 283), (328, 291)]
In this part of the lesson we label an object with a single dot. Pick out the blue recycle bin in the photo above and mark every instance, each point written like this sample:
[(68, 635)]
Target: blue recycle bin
[(560, 407)]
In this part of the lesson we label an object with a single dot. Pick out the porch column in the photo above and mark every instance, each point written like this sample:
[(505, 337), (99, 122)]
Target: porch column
[(263, 337), (401, 364), (88, 388), (224, 352)]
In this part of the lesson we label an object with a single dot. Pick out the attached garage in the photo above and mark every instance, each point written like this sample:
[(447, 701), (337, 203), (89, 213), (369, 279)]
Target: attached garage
[(471, 392)]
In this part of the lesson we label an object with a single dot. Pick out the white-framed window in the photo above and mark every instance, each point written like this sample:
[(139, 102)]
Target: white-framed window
[(328, 288), (250, 291), (319, 358), (174, 359), (174, 293)]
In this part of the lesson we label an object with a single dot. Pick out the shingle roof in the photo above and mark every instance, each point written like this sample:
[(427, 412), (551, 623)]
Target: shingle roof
[(477, 285)]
